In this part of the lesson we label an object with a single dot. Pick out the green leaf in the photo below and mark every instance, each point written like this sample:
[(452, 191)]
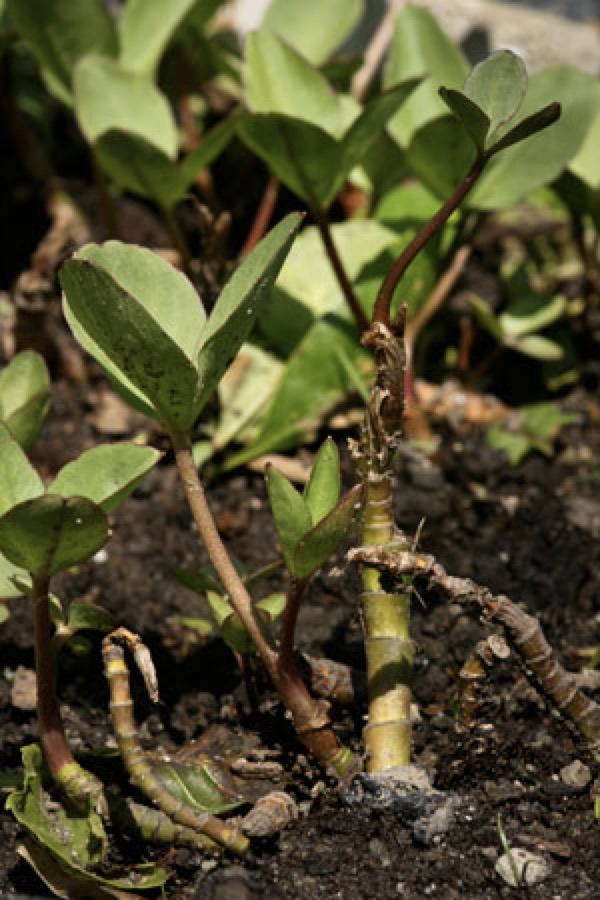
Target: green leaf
[(323, 489), (8, 571), (532, 314), (586, 162), (199, 582), (527, 127), (60, 33), (24, 396), (421, 49), (240, 302), (537, 346), (474, 119), (540, 159), (106, 474), (311, 383), (440, 154), (205, 786), (90, 617), (280, 80), (311, 162), (273, 605), (105, 94), (145, 28), (18, 479), (487, 318), (219, 606), (202, 626), (290, 512), (321, 542), (539, 425), (497, 86), (545, 420), (138, 166), (212, 144), (367, 128), (142, 320), (313, 28), (77, 842), (50, 534), (4, 615), (301, 155)]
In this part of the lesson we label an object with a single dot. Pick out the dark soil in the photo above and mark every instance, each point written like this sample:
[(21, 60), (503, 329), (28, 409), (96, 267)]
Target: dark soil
[(530, 532)]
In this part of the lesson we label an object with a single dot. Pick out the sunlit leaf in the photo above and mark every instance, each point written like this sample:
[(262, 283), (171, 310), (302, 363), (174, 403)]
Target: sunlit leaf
[(312, 27), (106, 474), (322, 491), (321, 542), (421, 49), (290, 512), (105, 94), (145, 28)]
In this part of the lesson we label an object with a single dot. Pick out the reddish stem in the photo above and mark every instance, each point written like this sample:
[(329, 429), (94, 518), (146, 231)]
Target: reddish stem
[(52, 730), (381, 311), (263, 216)]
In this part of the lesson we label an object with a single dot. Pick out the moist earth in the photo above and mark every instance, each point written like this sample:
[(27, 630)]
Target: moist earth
[(530, 532)]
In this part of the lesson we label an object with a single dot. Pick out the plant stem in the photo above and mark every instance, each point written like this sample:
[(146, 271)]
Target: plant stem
[(382, 309), (337, 265), (78, 784), (52, 730), (376, 49), (310, 716), (138, 768), (263, 216), (388, 647)]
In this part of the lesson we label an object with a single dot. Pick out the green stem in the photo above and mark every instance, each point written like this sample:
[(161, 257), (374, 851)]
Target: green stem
[(388, 647)]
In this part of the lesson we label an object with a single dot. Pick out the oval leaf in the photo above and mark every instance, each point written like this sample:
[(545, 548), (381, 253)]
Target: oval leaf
[(280, 80), (145, 28), (420, 48), (532, 314), (18, 479), (315, 29), (8, 573), (49, 534), (139, 166), (203, 786), (106, 475), (474, 120), (105, 95), (290, 511), (315, 548), (538, 346), (137, 339), (24, 396), (240, 302), (90, 617), (60, 33), (497, 86), (323, 489)]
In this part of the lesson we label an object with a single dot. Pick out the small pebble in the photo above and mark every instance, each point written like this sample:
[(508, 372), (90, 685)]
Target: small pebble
[(576, 774), (532, 869)]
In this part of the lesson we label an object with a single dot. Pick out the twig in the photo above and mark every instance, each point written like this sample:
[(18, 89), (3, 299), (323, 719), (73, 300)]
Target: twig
[(523, 632), (437, 297), (376, 49), (263, 216)]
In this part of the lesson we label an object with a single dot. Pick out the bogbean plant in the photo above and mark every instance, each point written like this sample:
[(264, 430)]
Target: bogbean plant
[(306, 115), (143, 321)]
